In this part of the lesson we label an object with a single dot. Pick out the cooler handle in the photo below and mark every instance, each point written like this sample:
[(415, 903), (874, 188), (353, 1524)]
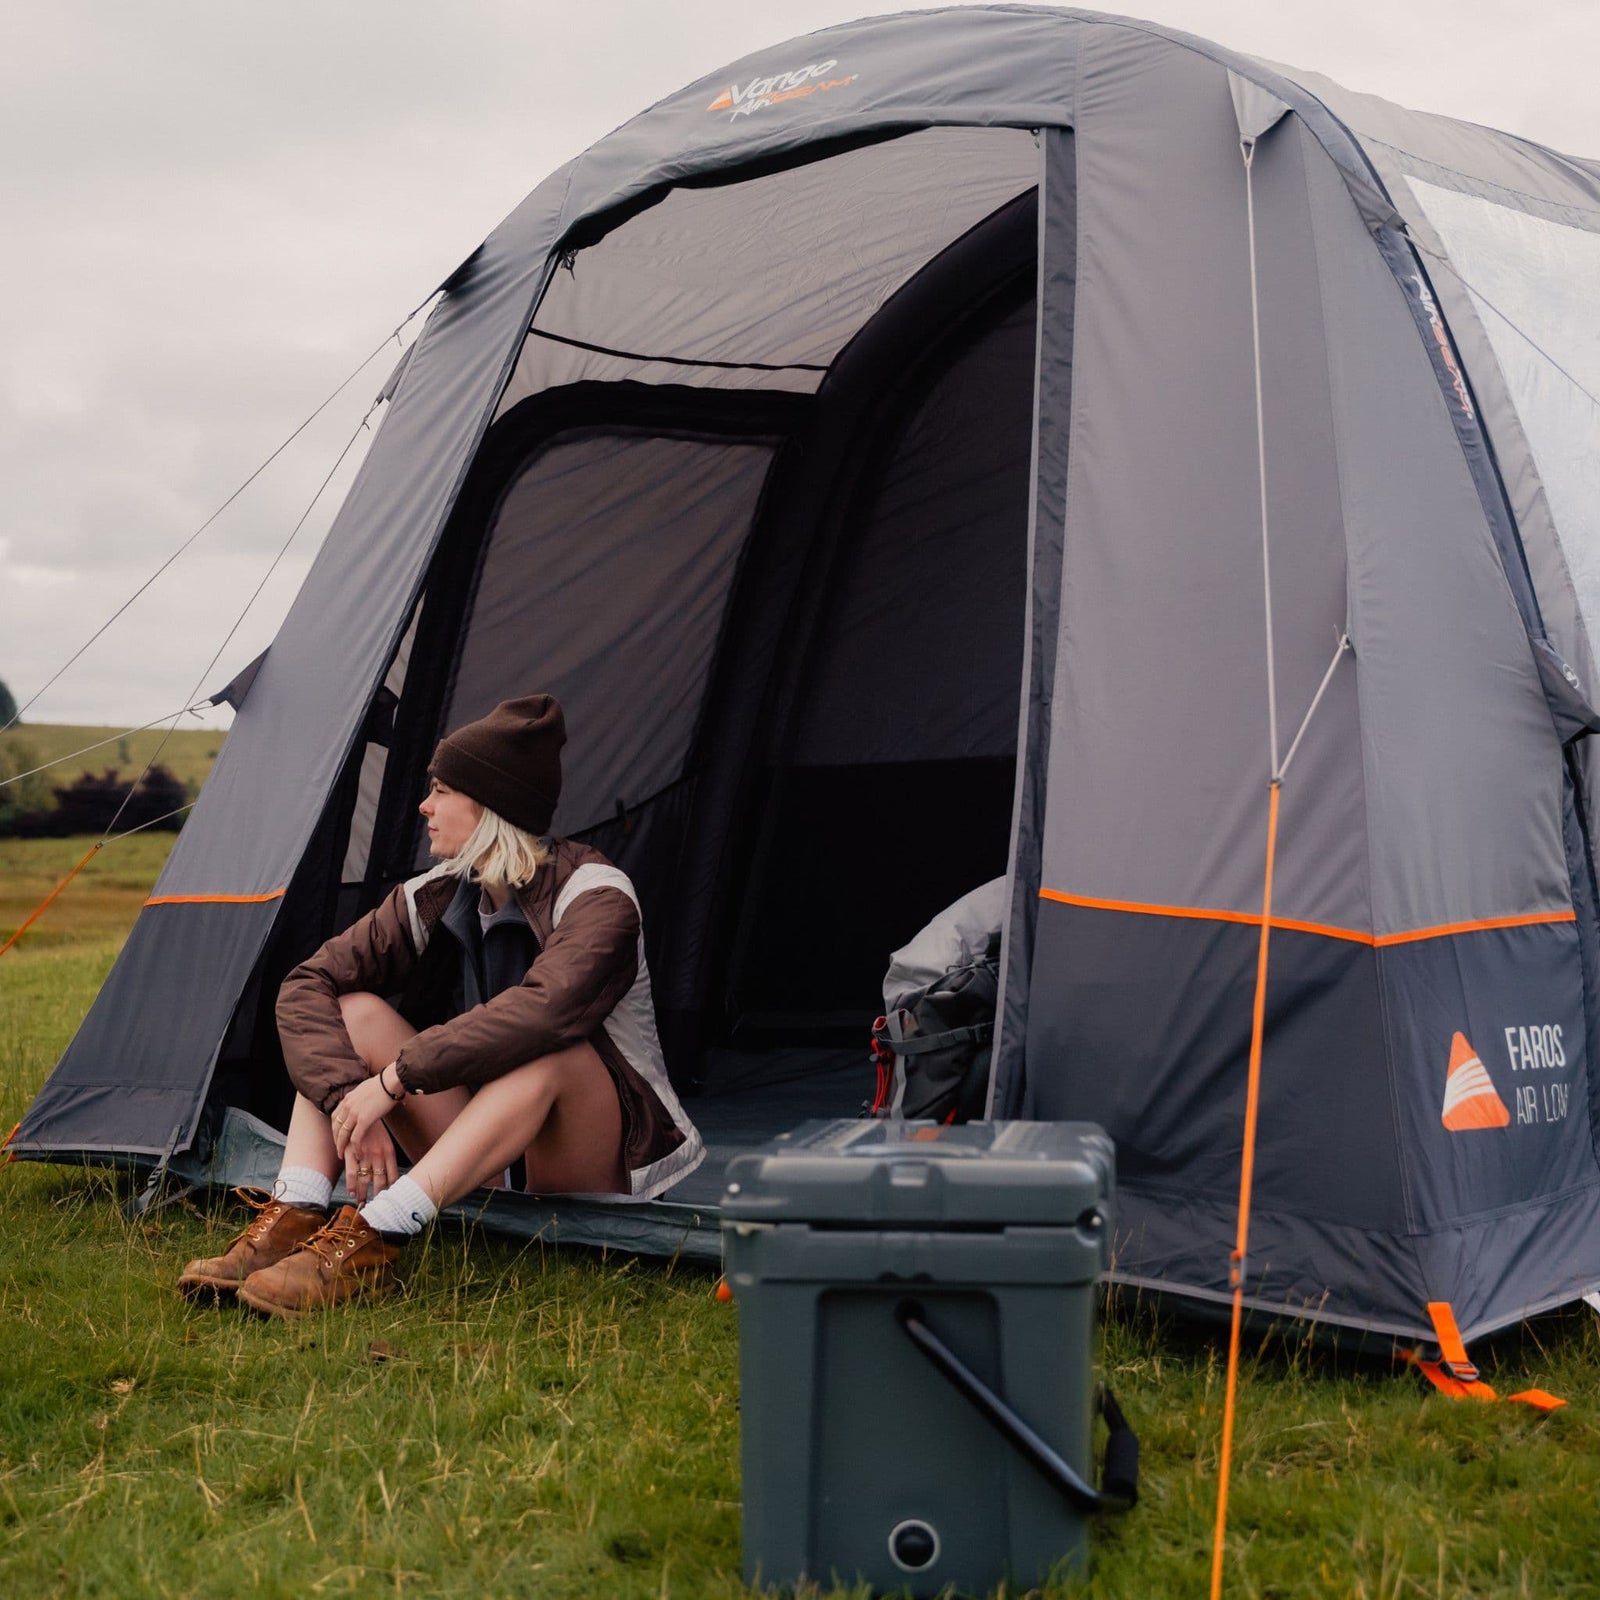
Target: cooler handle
[(1120, 1468)]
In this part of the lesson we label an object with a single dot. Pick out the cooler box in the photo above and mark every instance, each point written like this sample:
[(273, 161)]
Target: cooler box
[(867, 1257)]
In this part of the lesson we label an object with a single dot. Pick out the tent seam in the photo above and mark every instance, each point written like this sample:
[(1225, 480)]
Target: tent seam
[(1410, 159), (1025, 686), (1379, 964)]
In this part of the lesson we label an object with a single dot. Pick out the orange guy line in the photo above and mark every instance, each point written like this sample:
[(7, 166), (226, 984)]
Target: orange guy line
[(214, 899), (44, 905), (1258, 1023)]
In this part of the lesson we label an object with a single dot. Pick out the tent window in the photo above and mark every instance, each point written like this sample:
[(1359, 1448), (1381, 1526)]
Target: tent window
[(1532, 282), (374, 762), (589, 541), (775, 272)]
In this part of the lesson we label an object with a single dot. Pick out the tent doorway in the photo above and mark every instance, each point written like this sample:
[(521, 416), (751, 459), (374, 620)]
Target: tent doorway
[(883, 788), (788, 630)]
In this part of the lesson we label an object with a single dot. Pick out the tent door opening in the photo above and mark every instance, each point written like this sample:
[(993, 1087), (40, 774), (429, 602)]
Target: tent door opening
[(879, 783), (883, 788)]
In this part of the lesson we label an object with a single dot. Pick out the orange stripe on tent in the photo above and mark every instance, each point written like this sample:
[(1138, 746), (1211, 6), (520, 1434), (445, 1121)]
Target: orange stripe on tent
[(1354, 935), (1527, 920), (214, 899)]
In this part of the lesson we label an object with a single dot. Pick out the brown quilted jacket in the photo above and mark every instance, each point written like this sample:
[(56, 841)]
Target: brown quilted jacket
[(583, 968)]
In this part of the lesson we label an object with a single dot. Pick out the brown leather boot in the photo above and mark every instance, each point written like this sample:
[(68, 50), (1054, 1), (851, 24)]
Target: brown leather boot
[(277, 1231), (346, 1258)]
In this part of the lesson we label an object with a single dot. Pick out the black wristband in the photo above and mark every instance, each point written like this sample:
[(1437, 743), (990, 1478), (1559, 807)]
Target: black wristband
[(397, 1098)]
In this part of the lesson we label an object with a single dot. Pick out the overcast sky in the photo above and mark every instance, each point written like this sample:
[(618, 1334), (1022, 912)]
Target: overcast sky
[(214, 210)]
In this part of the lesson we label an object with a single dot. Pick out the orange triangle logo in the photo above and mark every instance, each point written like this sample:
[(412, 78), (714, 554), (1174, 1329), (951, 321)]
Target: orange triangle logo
[(723, 104), (1470, 1100)]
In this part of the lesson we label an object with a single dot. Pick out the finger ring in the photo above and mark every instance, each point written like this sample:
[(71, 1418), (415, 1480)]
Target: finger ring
[(363, 1172)]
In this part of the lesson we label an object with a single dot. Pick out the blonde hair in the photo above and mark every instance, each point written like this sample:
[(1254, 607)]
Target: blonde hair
[(497, 853)]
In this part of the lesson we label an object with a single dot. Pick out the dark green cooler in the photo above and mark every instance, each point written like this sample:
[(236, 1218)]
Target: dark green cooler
[(916, 1319)]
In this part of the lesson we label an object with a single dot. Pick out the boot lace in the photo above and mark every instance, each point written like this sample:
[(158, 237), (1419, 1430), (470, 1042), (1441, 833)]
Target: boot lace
[(335, 1240), (267, 1212)]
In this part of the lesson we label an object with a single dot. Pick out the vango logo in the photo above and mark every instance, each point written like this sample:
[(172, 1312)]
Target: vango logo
[(803, 81)]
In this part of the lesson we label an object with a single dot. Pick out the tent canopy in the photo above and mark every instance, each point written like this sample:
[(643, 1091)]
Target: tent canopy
[(862, 444)]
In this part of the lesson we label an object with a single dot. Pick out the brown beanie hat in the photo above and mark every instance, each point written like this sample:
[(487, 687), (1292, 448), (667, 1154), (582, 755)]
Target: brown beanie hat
[(509, 761)]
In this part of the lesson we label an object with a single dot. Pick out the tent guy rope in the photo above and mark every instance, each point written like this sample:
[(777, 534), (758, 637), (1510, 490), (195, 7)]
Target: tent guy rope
[(1238, 1262), (161, 744), (255, 594), (1516, 327), (100, 744), (89, 855), (77, 654)]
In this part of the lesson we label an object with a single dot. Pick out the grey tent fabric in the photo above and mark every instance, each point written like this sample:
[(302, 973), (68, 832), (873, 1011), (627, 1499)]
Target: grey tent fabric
[(1162, 555), (659, 419), (1055, 299), (933, 635), (291, 730), (770, 276), (1257, 109), (569, 602), (1434, 167)]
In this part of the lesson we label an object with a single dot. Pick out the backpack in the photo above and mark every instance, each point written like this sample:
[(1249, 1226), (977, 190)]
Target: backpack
[(932, 1052)]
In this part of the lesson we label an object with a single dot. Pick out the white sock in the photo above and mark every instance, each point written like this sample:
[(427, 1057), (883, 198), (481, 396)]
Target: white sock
[(404, 1207), (303, 1186)]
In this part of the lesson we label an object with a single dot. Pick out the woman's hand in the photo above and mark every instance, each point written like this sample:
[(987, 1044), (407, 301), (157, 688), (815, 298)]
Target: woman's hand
[(363, 1142)]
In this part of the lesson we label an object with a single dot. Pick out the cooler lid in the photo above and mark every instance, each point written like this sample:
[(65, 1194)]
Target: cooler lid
[(923, 1174)]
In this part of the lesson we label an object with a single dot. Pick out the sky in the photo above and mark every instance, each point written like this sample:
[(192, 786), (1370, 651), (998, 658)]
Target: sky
[(215, 211)]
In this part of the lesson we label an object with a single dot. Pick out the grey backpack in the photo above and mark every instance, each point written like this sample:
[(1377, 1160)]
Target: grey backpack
[(933, 1052), (933, 1043)]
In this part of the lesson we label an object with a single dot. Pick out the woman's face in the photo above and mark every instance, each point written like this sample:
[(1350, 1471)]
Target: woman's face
[(451, 818)]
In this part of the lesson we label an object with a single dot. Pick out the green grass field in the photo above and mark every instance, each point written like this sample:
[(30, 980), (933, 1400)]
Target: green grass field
[(530, 1421), (188, 753)]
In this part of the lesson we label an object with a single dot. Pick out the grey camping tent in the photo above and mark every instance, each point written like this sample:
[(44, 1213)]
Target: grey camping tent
[(863, 443)]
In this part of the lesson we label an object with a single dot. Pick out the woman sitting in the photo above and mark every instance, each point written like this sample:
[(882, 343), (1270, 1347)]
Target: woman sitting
[(519, 1047)]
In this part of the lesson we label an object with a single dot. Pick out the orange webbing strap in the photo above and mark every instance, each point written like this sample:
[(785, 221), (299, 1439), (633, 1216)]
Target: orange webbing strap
[(1452, 1349), (1454, 1375), (1247, 1162), (1439, 1375), (44, 904), (11, 1154)]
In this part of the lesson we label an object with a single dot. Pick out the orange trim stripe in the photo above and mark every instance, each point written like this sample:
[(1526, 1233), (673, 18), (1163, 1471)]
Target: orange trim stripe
[(1354, 935), (214, 899), (1526, 920)]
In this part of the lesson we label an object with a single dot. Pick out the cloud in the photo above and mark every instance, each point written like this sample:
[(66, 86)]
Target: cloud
[(214, 212)]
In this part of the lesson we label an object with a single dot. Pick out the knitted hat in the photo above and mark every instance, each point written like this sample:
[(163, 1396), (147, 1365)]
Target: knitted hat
[(509, 761)]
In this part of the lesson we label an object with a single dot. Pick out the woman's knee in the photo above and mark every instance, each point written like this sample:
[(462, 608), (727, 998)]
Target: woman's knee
[(539, 1079), (374, 1026), (563, 1070)]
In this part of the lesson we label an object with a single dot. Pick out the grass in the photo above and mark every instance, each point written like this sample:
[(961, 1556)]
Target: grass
[(188, 752), (92, 916), (529, 1421)]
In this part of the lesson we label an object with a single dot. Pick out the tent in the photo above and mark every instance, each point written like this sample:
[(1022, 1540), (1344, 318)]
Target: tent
[(876, 445)]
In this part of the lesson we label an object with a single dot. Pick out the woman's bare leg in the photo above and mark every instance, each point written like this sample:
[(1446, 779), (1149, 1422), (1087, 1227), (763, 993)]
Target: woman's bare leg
[(378, 1033), (310, 1141), (561, 1111)]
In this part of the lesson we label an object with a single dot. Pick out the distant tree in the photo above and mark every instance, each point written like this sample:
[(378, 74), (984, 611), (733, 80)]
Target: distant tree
[(8, 704), (26, 795), (90, 804), (154, 801)]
